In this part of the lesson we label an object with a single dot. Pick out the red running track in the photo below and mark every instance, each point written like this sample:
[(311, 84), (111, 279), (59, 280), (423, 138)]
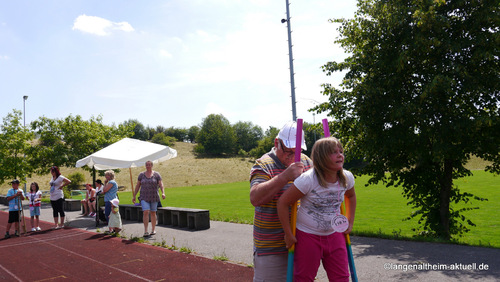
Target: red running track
[(76, 254)]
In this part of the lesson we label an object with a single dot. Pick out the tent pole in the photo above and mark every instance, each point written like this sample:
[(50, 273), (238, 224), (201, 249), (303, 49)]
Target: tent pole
[(131, 182)]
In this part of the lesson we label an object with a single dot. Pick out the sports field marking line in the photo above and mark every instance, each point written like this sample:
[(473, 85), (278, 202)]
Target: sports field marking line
[(11, 274), (94, 261), (40, 240), (52, 278), (129, 261)]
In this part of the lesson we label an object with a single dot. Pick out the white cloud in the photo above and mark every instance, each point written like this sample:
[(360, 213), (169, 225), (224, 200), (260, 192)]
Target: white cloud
[(165, 54), (99, 26), (4, 57)]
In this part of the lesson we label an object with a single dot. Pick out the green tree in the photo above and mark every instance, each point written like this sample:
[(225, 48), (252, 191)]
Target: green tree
[(216, 136), (266, 143), (312, 132), (247, 135), (178, 133), (420, 96), (192, 133), (140, 131), (63, 142), (14, 144)]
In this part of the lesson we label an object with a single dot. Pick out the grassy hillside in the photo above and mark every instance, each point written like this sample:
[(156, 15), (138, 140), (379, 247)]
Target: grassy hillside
[(184, 170)]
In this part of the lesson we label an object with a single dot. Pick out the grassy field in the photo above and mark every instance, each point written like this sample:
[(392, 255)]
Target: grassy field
[(380, 210)]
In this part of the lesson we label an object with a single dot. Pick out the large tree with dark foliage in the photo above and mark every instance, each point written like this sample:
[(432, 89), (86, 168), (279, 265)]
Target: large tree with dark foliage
[(420, 96), (216, 136)]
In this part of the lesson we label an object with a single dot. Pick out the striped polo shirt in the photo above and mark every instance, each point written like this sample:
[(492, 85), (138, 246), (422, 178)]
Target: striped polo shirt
[(268, 235)]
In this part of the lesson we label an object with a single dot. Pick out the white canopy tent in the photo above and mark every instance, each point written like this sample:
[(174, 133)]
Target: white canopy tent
[(127, 153)]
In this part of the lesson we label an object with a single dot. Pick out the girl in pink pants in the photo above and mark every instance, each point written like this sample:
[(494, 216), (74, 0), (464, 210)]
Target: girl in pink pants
[(321, 228)]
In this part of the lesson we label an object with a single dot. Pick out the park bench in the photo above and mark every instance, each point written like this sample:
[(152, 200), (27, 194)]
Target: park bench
[(72, 205), (195, 219)]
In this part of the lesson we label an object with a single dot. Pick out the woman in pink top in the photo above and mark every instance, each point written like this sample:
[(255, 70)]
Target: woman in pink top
[(148, 183)]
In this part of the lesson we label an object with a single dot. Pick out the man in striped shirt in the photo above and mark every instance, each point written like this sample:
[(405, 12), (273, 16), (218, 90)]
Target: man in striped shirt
[(270, 176)]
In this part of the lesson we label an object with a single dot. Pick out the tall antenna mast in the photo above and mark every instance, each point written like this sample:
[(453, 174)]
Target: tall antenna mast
[(290, 57)]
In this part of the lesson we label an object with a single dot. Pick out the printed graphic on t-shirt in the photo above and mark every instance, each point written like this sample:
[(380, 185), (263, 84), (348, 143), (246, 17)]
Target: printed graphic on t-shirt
[(324, 208)]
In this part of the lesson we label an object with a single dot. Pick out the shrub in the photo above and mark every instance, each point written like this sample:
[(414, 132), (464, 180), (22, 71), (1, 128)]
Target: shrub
[(77, 179)]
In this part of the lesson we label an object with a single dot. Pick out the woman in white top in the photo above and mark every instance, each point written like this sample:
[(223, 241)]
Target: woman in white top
[(57, 182)]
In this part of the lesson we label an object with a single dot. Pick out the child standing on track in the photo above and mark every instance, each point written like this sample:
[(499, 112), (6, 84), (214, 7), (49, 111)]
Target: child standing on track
[(115, 221), (34, 198), (14, 196), (320, 225)]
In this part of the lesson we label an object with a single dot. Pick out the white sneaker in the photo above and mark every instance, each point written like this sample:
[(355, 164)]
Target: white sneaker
[(38, 229), (33, 229)]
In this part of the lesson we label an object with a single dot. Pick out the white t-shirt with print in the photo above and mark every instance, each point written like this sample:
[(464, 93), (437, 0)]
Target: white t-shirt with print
[(32, 197), (319, 205), (55, 192)]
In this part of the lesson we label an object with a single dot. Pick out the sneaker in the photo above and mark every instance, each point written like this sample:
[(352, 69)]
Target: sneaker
[(33, 229), (38, 228), (92, 214), (146, 234), (7, 236), (58, 227), (16, 234)]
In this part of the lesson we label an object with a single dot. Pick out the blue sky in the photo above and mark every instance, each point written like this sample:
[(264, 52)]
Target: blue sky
[(169, 62)]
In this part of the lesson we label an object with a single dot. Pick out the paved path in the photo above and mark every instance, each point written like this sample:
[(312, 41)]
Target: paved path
[(376, 259)]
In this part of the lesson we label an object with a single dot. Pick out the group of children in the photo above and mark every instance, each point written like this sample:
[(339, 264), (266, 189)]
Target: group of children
[(15, 196)]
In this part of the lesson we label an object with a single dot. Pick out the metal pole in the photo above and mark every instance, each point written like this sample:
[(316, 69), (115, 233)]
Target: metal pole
[(290, 57), (24, 124)]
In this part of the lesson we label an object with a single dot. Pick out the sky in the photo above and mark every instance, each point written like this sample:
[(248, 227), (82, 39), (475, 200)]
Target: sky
[(169, 62)]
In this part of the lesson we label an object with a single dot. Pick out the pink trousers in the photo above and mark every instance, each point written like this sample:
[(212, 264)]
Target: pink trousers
[(311, 249)]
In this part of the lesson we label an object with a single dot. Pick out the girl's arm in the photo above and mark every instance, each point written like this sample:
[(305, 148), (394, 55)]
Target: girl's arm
[(114, 210), (288, 198), (350, 206)]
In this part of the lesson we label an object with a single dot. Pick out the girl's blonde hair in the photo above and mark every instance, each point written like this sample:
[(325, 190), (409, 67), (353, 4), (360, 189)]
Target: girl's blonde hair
[(110, 173), (320, 155)]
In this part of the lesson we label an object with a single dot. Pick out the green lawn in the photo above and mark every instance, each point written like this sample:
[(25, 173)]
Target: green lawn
[(380, 210)]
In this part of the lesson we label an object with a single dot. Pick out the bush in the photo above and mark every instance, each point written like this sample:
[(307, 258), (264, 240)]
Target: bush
[(242, 153), (199, 149), (77, 179), (162, 139)]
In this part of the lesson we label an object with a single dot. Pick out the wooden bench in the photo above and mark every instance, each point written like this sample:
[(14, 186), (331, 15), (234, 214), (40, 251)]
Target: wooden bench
[(72, 205), (195, 219), (130, 212)]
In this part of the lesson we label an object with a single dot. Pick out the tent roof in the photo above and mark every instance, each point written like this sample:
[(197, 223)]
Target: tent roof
[(127, 153)]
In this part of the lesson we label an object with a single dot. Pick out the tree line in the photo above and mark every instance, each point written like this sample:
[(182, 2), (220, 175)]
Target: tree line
[(45, 142)]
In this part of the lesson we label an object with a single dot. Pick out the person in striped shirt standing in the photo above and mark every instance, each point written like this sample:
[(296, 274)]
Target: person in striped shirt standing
[(271, 175)]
